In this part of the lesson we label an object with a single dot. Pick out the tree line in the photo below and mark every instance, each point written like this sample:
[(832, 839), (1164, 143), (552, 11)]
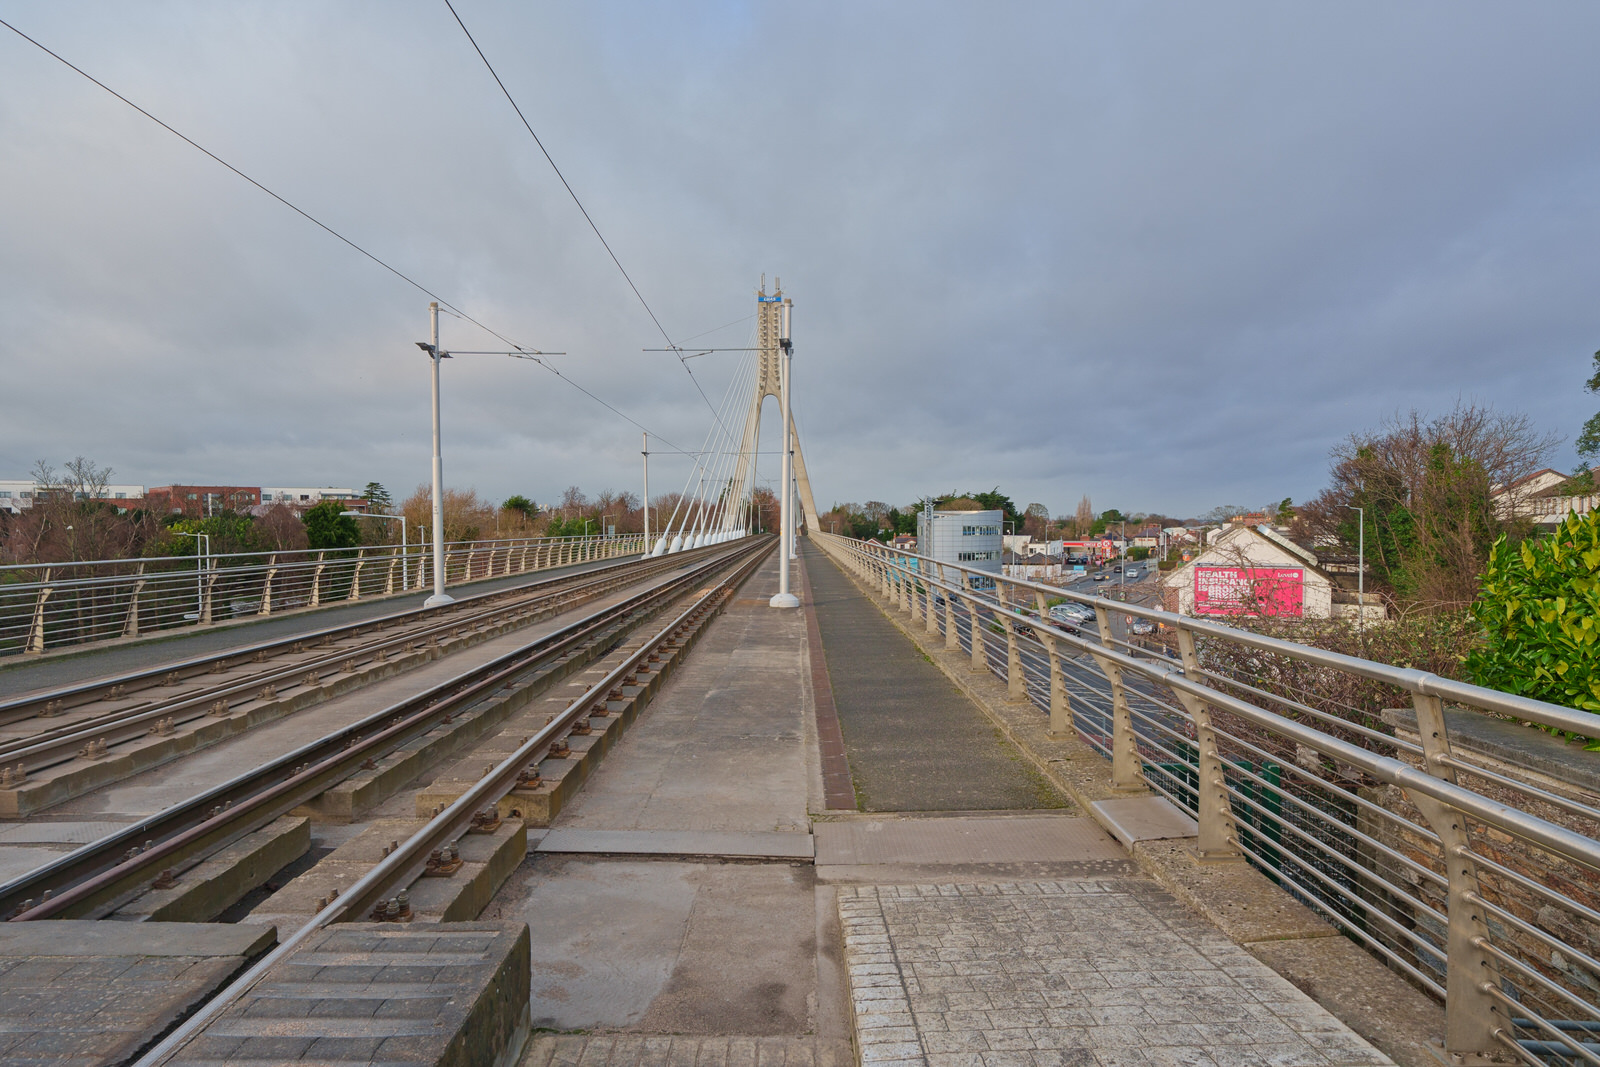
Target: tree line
[(70, 520)]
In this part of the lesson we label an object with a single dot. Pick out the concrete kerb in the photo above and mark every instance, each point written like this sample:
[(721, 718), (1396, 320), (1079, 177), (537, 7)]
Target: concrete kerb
[(1246, 906)]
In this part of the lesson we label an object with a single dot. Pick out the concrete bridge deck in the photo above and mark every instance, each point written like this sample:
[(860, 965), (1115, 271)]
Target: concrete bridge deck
[(967, 912)]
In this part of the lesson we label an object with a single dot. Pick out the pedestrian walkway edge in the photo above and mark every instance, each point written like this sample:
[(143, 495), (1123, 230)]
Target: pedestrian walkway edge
[(1286, 935), (838, 789)]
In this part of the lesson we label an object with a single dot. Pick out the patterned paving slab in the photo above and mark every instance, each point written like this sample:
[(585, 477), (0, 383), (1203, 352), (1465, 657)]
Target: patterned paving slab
[(1098, 972), (680, 1050)]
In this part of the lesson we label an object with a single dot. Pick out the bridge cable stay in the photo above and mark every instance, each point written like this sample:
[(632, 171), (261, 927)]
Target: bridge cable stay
[(717, 484), (674, 542), (716, 470)]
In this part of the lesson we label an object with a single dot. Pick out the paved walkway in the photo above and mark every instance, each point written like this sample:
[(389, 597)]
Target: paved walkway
[(913, 741), (1106, 972), (1018, 935)]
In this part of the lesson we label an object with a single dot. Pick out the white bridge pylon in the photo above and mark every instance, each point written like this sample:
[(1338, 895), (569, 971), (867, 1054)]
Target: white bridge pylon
[(715, 504)]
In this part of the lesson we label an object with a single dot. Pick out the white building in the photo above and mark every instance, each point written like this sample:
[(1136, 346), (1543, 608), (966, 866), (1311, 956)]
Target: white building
[(15, 495), (1251, 571), (304, 497), (971, 538)]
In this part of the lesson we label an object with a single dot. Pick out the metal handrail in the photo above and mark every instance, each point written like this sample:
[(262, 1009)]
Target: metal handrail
[(1359, 825), (71, 604), (189, 560)]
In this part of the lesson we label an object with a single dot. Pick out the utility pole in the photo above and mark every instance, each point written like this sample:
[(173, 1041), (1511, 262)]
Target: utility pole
[(439, 597), (1361, 568), (646, 453), (783, 598)]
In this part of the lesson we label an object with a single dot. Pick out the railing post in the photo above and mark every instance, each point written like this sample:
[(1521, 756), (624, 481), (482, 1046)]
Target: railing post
[(472, 553), (1472, 1017), (1016, 684), (952, 637), (266, 586), (930, 614), (206, 595), (1219, 833), (522, 558), (36, 628), (1061, 724), (316, 580), (980, 661), (131, 627), (1125, 766), (355, 577), (388, 581), (912, 581), (903, 574)]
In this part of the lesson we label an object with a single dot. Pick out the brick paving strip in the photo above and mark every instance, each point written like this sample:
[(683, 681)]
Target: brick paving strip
[(675, 1050), (1099, 972), (839, 792)]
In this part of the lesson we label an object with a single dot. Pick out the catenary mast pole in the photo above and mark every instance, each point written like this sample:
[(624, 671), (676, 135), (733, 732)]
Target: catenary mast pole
[(783, 598), (439, 597)]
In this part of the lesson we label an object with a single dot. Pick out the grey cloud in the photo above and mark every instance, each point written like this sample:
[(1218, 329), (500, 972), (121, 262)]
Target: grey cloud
[(1163, 254)]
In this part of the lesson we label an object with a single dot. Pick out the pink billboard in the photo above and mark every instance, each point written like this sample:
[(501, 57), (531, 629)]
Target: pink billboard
[(1249, 591)]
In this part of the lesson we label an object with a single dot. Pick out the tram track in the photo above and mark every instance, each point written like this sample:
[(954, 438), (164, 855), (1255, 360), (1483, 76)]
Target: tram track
[(290, 673), (94, 879)]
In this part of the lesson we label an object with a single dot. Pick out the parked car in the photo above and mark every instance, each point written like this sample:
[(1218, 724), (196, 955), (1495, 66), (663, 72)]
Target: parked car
[(1102, 576), (1132, 573)]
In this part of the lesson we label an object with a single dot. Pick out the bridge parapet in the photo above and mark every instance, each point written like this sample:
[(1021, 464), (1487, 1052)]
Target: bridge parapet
[(1476, 879), (46, 606)]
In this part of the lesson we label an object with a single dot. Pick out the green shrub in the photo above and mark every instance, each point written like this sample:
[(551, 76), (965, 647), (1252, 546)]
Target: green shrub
[(1540, 612)]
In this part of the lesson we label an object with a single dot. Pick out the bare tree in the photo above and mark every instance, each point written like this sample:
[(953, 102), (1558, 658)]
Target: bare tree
[(1429, 490), (1036, 522), (1083, 519)]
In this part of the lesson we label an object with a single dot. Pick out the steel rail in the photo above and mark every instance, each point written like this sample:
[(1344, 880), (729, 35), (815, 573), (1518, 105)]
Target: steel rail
[(250, 801), (59, 744), (406, 863)]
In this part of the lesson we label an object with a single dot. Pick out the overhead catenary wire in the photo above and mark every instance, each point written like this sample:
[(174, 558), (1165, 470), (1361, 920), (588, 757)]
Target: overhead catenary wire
[(585, 211), (532, 354)]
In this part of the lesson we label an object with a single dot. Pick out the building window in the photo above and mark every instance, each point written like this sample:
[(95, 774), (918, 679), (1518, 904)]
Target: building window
[(979, 531), (972, 557), (194, 496), (5, 494), (120, 496)]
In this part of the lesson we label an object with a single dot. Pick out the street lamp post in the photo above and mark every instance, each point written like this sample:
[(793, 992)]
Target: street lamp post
[(1361, 567), (435, 354), (405, 560), (1122, 552), (605, 527), (202, 564)]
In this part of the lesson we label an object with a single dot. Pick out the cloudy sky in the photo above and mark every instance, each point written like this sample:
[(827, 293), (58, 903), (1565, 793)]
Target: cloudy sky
[(1163, 254)]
